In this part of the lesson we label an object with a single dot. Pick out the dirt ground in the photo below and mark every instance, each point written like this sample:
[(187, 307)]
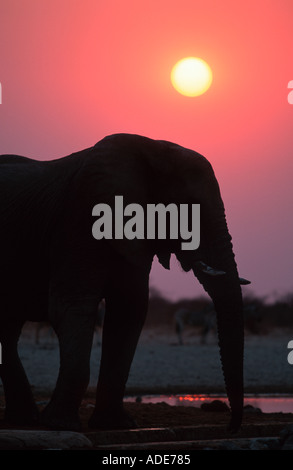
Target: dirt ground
[(162, 415), (184, 425)]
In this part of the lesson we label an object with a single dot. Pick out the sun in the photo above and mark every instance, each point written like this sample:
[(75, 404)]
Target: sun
[(191, 76)]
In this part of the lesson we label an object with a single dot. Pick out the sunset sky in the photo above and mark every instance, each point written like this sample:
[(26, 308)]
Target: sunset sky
[(73, 71)]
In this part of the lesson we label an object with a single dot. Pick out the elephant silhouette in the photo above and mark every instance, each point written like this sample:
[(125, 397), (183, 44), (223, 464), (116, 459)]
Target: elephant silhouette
[(53, 269)]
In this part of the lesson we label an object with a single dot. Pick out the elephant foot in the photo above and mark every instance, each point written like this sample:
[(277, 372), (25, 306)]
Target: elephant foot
[(108, 419), (60, 419), (235, 423), (22, 416)]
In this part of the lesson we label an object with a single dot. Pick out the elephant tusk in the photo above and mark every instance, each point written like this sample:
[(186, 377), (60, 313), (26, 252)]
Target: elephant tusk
[(243, 281), (216, 272), (208, 270)]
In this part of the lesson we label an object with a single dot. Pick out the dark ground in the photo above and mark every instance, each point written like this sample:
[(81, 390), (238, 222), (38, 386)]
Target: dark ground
[(161, 364)]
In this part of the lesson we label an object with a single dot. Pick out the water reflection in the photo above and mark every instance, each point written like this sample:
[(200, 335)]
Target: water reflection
[(267, 404)]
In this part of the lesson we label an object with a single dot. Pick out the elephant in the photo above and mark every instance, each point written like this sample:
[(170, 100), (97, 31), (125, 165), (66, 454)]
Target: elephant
[(55, 270)]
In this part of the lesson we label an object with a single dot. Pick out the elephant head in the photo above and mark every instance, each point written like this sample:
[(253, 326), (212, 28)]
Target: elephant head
[(217, 272), (167, 173), (213, 264)]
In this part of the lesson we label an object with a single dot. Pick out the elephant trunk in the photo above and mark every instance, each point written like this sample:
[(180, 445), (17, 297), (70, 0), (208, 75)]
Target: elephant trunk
[(225, 291)]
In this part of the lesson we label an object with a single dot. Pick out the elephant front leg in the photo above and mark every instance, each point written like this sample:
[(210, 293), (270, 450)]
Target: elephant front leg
[(74, 326), (126, 308)]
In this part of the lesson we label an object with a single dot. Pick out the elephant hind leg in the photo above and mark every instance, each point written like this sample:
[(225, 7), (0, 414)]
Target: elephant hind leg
[(20, 406), (126, 308)]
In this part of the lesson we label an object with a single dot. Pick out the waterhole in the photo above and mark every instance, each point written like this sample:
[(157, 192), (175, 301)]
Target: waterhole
[(266, 403)]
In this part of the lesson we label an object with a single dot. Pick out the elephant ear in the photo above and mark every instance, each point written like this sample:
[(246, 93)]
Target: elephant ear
[(137, 252), (164, 259)]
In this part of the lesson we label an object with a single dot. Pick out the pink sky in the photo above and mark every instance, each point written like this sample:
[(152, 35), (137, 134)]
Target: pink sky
[(73, 71)]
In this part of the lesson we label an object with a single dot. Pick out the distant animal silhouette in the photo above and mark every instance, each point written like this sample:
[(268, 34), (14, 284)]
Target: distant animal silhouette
[(100, 319), (47, 328), (204, 319), (252, 317)]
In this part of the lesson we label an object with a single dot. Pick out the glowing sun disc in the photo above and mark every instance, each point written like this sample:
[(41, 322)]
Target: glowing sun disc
[(191, 76)]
